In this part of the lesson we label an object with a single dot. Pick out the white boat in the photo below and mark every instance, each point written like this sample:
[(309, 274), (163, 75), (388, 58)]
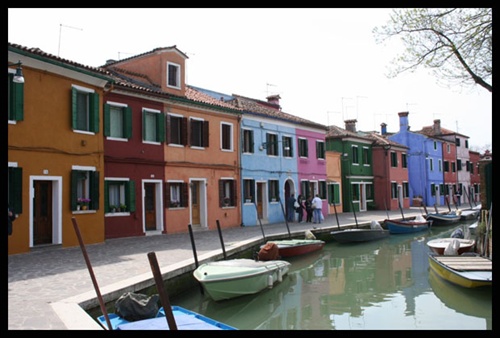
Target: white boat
[(238, 277)]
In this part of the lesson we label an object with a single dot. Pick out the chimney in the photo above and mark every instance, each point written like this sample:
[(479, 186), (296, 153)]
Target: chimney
[(274, 99), (403, 121), (383, 128), (350, 125), (437, 127)]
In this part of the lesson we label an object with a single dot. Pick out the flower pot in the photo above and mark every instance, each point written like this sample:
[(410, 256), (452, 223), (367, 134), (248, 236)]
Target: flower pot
[(85, 207)]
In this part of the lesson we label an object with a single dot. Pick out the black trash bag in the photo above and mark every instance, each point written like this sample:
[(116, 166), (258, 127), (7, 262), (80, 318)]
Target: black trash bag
[(136, 306)]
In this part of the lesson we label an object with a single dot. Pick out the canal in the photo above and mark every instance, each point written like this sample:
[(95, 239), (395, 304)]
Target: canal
[(380, 285)]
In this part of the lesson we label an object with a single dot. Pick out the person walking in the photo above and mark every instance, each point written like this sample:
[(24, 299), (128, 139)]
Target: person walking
[(290, 208), (309, 210), (317, 203), (300, 209)]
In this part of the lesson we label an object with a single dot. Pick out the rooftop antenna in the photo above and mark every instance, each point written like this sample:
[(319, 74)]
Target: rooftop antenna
[(60, 29), (267, 88)]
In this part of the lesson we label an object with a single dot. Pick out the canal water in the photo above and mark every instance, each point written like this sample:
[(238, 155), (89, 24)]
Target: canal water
[(380, 285)]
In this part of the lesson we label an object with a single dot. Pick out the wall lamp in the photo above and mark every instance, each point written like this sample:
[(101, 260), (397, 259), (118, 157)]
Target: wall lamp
[(18, 76)]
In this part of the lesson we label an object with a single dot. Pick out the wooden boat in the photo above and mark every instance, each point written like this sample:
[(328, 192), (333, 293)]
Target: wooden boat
[(407, 226), (237, 277), (297, 247), (469, 214), (184, 319), (469, 271), (444, 218), (438, 245)]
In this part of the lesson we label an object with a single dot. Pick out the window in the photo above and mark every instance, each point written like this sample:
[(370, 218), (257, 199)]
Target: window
[(303, 148), (466, 143), (320, 150), (394, 159), (453, 169), (287, 146), (176, 194), (85, 188), (404, 160), (199, 133), (173, 75), (153, 126), (440, 166), (459, 165), (322, 189), (248, 141), (117, 120), (406, 190), (369, 191), (334, 193), (84, 109), (119, 194), (227, 193), (15, 189), (226, 136), (274, 193), (355, 191), (446, 166), (355, 159), (435, 145), (249, 191), (467, 165), (15, 92), (433, 189), (457, 142), (306, 189), (448, 148), (272, 144), (176, 130), (431, 164), (394, 190)]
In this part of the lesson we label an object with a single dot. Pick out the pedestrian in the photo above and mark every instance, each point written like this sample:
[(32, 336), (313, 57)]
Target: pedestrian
[(290, 208), (300, 209), (309, 210), (317, 203), (12, 217)]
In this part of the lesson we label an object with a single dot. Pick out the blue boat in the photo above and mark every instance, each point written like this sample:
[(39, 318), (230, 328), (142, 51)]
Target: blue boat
[(444, 218), (184, 319), (407, 226)]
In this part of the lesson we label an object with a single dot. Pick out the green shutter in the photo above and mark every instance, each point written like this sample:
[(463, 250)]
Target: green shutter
[(73, 113), (130, 191), (107, 121), (127, 123), (94, 112), (16, 189), (18, 101), (94, 190), (161, 128)]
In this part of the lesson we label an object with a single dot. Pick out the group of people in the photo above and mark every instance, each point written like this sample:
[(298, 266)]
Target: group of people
[(312, 207)]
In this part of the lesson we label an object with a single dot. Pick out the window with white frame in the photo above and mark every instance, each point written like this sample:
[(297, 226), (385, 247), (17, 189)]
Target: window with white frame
[(406, 190), (117, 120), (355, 155), (173, 75), (272, 144), (249, 190), (84, 189), (176, 129), (15, 98), (274, 193), (176, 194), (248, 146), (198, 133), (119, 195), (287, 146), (227, 193), (320, 150), (226, 136), (153, 126), (84, 109), (303, 147)]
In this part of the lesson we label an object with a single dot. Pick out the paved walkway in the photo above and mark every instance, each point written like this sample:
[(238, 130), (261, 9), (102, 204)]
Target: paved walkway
[(41, 282)]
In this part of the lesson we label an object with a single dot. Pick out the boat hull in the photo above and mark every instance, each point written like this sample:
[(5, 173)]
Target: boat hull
[(184, 320), (438, 245), (359, 235), (443, 219), (238, 277), (466, 271), (404, 227), (469, 214), (297, 247)]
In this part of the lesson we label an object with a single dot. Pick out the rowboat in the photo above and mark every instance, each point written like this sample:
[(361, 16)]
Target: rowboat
[(469, 214), (297, 247), (407, 226), (375, 232), (185, 320), (237, 277), (469, 271), (438, 245), (444, 218)]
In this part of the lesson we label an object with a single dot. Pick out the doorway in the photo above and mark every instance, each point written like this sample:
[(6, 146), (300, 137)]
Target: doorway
[(42, 213)]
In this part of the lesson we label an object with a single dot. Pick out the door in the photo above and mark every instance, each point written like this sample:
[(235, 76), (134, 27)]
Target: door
[(42, 213), (195, 203), (362, 197), (150, 206)]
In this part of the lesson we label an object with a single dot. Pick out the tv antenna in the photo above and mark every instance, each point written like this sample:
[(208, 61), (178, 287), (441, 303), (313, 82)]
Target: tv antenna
[(267, 88), (60, 30)]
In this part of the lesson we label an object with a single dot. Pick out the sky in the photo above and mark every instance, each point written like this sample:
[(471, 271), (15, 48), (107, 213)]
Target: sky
[(323, 62)]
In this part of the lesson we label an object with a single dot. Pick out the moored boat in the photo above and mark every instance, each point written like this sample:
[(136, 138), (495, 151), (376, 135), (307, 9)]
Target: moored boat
[(407, 226), (375, 232), (469, 214), (184, 319), (444, 218), (438, 245), (297, 247), (237, 277), (469, 271)]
